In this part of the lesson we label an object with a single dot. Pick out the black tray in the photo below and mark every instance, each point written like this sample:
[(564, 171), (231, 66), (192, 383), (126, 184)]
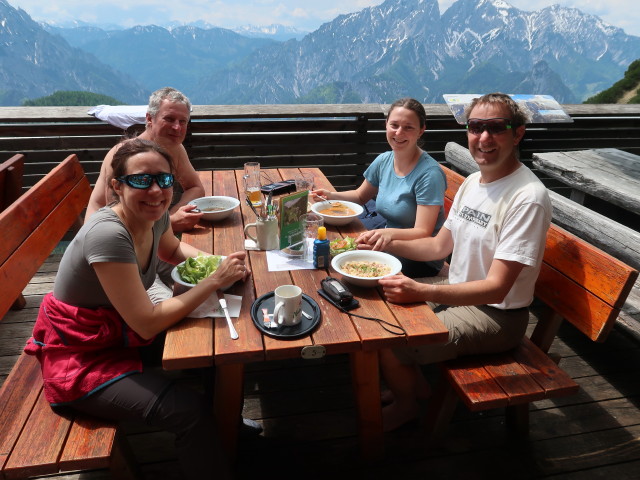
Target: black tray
[(303, 328)]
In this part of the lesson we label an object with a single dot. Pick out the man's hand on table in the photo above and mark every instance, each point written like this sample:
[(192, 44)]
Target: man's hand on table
[(402, 289), (183, 219)]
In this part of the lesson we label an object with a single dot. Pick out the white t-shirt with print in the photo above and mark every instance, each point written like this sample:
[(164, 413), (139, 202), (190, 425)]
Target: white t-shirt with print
[(507, 219)]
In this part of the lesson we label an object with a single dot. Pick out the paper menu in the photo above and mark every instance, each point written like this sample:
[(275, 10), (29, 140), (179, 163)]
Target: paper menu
[(292, 207)]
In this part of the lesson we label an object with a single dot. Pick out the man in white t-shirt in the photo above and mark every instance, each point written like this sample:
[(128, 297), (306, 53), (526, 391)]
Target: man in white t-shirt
[(495, 233)]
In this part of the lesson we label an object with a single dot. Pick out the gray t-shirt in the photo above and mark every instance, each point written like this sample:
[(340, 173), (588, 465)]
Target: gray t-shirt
[(104, 238)]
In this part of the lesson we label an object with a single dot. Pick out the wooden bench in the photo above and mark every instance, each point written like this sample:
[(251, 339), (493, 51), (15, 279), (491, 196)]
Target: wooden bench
[(34, 439), (578, 282)]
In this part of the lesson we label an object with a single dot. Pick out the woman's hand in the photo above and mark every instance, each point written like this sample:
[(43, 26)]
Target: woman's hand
[(232, 269), (321, 194), (184, 219), (374, 239), (401, 289)]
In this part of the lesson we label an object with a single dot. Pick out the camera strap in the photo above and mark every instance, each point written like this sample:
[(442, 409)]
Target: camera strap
[(389, 327)]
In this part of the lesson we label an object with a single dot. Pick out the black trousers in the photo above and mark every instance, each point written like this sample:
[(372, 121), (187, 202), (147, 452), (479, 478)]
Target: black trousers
[(160, 403)]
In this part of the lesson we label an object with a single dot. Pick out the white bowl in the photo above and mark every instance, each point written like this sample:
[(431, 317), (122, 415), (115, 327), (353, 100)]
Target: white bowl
[(180, 286), (365, 256), (223, 206), (337, 219)]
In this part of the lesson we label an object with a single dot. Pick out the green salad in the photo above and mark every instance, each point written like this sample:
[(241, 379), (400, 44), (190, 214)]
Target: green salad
[(195, 269), (340, 245)]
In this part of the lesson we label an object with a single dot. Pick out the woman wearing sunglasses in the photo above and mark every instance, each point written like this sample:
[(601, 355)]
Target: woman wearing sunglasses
[(408, 185), (495, 233), (90, 330)]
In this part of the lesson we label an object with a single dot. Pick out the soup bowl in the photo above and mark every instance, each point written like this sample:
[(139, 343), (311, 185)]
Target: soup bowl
[(339, 261), (322, 209), (215, 208)]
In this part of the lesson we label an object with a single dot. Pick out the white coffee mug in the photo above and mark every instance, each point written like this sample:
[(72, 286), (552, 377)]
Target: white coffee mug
[(288, 305), (267, 234)]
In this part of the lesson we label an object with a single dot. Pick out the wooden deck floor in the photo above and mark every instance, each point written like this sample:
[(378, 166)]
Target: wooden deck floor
[(309, 420)]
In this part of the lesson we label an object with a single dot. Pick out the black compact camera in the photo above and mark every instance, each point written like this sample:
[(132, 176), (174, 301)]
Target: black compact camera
[(278, 188), (337, 293)]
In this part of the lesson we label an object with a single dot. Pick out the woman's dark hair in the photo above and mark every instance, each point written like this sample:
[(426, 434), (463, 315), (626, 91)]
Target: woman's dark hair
[(518, 117), (128, 149), (411, 104)]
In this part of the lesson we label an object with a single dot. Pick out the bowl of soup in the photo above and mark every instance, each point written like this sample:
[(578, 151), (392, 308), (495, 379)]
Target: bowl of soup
[(337, 212), (365, 267), (215, 208)]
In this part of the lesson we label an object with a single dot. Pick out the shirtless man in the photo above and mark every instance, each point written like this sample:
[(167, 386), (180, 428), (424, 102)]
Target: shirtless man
[(167, 118)]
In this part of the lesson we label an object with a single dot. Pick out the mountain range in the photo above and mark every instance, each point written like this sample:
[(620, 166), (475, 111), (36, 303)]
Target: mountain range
[(398, 48), (34, 63)]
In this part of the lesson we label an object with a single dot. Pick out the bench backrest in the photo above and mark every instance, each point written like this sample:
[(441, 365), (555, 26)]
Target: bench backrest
[(580, 282), (33, 225), (11, 172)]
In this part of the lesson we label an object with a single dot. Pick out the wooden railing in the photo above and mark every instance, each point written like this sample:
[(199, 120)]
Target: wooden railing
[(339, 139)]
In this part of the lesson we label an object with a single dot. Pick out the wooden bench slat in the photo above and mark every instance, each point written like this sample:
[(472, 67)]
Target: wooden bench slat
[(36, 453), (592, 316), (474, 385), (17, 398), (513, 378), (555, 381), (89, 444), (603, 275)]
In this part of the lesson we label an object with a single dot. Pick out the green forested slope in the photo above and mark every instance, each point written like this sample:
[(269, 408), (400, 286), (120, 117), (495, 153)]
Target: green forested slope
[(623, 91), (71, 99)]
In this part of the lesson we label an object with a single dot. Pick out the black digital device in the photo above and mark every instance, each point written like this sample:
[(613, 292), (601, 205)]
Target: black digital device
[(337, 293), (278, 188)]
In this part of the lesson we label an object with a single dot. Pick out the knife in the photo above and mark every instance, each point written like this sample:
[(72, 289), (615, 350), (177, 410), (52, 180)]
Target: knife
[(232, 330)]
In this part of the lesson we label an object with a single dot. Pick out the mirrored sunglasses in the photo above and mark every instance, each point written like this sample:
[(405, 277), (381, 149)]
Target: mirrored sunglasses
[(145, 180), (494, 126)]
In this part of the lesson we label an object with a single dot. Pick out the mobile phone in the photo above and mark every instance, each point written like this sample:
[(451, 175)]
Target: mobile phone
[(279, 188)]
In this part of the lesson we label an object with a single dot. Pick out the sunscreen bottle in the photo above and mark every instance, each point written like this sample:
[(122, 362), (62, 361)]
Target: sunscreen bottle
[(321, 249)]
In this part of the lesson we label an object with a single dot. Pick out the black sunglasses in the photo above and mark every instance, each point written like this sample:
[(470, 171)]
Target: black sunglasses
[(145, 180), (494, 126)]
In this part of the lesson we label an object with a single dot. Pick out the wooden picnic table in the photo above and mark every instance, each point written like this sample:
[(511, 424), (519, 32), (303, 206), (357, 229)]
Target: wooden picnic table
[(201, 342), (606, 173)]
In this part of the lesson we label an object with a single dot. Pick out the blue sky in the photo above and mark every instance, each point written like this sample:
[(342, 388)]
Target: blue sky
[(304, 14)]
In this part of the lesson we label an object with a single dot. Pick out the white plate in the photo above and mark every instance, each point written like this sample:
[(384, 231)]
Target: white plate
[(365, 256)]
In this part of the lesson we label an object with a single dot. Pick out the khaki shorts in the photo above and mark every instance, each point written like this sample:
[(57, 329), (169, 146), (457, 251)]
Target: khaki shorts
[(472, 330)]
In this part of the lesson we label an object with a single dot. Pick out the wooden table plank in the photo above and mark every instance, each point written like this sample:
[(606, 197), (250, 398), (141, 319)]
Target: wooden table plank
[(606, 173)]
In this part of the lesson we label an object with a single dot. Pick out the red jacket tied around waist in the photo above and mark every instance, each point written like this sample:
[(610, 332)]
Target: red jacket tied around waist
[(81, 349)]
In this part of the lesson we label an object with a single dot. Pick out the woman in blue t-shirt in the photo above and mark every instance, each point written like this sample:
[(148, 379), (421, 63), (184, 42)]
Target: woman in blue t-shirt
[(408, 185)]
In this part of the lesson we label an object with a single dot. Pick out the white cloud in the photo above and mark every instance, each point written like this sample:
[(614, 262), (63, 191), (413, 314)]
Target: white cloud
[(305, 15)]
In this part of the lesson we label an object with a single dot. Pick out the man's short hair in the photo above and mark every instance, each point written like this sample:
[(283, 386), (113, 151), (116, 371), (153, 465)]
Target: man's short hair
[(518, 116), (166, 93)]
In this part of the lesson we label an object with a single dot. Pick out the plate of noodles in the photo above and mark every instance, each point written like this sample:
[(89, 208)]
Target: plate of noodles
[(365, 267)]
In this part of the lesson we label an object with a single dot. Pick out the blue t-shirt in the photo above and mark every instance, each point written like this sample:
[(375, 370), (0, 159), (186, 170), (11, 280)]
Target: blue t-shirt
[(398, 197)]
